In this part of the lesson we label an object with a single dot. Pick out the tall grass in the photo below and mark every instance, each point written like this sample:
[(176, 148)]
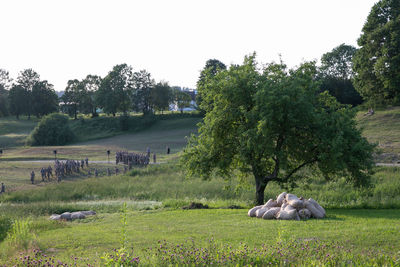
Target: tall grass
[(166, 183), (5, 225), (20, 235)]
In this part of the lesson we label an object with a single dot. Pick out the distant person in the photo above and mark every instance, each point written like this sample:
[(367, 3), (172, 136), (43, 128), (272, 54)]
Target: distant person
[(370, 112), (148, 152), (154, 157), (3, 188), (32, 177), (168, 150)]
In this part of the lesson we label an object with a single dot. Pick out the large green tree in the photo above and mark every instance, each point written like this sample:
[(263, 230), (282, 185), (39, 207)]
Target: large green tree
[(5, 85), (26, 80), (212, 67), (161, 96), (336, 74), (115, 89), (72, 97), (272, 125), (143, 86), (90, 86), (377, 61), (17, 98), (44, 99)]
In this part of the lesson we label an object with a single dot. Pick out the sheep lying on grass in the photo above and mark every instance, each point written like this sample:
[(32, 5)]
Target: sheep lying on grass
[(288, 207)]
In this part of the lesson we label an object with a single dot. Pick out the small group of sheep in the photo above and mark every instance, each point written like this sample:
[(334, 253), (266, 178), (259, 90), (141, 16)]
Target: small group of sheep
[(70, 216), (288, 207)]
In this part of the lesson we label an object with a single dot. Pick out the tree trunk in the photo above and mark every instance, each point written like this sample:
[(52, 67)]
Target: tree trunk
[(260, 188)]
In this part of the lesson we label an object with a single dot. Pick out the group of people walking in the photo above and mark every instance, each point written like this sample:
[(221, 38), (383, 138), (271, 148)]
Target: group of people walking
[(132, 159), (69, 167), (61, 169)]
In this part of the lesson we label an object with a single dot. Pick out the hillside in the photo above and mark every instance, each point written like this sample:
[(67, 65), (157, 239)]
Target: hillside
[(13, 132), (383, 128)]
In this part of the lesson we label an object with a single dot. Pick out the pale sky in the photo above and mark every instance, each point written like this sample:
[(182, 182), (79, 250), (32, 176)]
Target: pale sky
[(171, 39)]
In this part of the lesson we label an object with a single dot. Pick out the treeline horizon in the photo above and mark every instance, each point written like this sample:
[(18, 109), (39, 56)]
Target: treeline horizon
[(121, 90)]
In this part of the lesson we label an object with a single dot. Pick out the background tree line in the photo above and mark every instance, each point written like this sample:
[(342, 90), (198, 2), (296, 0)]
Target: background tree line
[(121, 90)]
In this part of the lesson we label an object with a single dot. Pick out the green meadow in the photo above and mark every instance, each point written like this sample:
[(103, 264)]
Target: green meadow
[(141, 211)]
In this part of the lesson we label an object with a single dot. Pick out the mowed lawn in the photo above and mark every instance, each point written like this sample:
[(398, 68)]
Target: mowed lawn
[(359, 231)]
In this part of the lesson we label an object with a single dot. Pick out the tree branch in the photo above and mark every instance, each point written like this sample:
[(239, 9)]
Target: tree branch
[(298, 168)]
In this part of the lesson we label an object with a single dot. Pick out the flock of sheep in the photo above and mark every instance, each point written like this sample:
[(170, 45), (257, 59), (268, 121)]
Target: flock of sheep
[(288, 207)]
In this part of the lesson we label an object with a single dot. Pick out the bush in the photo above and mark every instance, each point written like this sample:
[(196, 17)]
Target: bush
[(53, 129)]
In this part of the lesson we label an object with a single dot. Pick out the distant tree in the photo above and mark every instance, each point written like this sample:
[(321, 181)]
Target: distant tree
[(212, 67), (182, 98), (5, 85), (71, 97), (26, 80), (337, 74), (161, 96), (143, 85), (17, 99), (274, 124), (3, 101), (5, 80), (91, 85), (114, 90), (44, 99), (377, 61)]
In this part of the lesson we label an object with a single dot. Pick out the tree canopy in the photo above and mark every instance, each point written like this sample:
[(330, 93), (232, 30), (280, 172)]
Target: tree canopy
[(5, 84), (377, 62), (114, 91), (212, 67), (336, 74), (272, 124)]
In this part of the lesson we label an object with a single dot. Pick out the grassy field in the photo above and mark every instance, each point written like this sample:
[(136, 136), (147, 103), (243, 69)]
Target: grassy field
[(344, 233), (161, 134), (361, 224), (383, 128), (14, 132)]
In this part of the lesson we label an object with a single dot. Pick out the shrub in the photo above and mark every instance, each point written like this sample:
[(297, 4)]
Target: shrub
[(53, 129)]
